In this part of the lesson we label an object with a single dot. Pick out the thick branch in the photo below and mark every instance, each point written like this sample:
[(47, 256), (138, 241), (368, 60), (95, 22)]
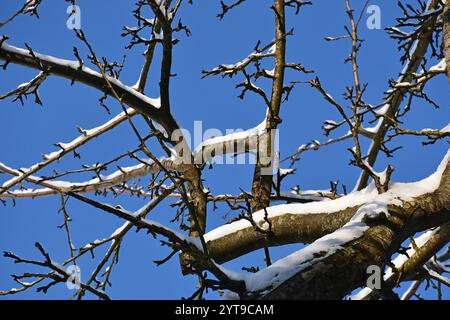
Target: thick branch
[(349, 265)]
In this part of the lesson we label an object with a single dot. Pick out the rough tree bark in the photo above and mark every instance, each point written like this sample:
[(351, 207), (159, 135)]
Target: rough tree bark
[(337, 275)]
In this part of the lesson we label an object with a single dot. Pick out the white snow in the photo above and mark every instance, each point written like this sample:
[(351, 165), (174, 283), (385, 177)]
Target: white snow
[(285, 172), (376, 128), (402, 84), (371, 210), (330, 124), (287, 267), (446, 129), (271, 72), (382, 111), (440, 67), (221, 144)]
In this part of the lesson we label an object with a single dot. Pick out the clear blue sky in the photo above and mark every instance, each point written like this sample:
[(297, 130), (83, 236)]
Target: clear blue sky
[(30, 131)]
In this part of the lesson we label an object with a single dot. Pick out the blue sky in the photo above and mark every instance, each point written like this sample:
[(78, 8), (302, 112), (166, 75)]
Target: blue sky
[(31, 130)]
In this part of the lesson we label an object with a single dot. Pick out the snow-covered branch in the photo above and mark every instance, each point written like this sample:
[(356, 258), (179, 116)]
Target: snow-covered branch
[(75, 70), (65, 148), (98, 184), (293, 223)]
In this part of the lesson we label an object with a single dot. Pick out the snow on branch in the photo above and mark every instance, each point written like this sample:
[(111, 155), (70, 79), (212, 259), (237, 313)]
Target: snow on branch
[(233, 143), (65, 148), (77, 71), (29, 7), (289, 220), (98, 184), (191, 245), (29, 88), (270, 278), (232, 69)]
